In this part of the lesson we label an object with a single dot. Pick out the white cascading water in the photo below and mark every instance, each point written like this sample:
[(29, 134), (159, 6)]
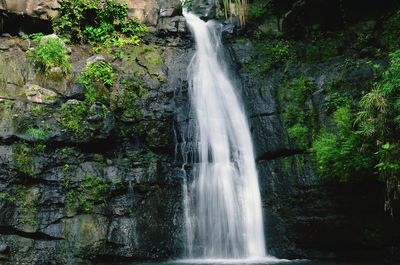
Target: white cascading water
[(223, 203)]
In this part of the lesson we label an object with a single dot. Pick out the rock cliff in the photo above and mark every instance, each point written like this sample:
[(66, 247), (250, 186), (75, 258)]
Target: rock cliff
[(82, 182)]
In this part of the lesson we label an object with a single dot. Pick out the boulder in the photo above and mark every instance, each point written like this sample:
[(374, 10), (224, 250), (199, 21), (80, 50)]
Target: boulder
[(43, 9)]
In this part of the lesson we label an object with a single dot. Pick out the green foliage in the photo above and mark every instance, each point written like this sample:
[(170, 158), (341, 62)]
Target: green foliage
[(5, 196), (129, 102), (322, 46), (36, 36), (97, 79), (91, 191), (339, 156), (300, 135), (25, 158), (391, 32), (27, 200), (98, 22), (389, 157), (258, 9), (344, 119), (380, 108), (379, 122), (298, 111), (270, 54), (335, 100), (73, 115), (37, 134), (366, 140), (34, 122), (48, 54)]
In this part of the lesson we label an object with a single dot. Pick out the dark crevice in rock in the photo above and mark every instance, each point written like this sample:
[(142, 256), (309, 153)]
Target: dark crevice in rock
[(8, 230), (265, 114), (111, 258), (279, 153), (9, 139), (5, 98), (14, 24), (57, 221)]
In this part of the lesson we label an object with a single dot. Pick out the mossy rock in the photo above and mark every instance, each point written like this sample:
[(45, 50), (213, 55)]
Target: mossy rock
[(27, 201), (38, 94), (11, 76), (144, 60), (130, 100), (85, 234)]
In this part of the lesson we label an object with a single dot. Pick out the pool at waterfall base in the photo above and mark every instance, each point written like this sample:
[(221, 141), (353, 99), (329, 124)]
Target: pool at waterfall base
[(264, 261)]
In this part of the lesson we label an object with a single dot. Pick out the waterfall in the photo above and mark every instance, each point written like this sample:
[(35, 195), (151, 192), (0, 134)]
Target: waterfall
[(222, 203)]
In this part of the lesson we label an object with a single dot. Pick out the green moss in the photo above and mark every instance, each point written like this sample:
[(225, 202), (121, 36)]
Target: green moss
[(73, 117), (27, 201), (144, 188), (91, 192), (38, 133), (150, 57), (155, 133), (25, 158), (287, 162), (5, 107), (5, 196), (97, 79), (34, 122), (270, 54), (131, 99), (3, 82)]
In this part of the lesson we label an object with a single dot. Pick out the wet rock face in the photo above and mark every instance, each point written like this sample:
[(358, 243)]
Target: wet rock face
[(206, 9), (305, 218), (107, 188)]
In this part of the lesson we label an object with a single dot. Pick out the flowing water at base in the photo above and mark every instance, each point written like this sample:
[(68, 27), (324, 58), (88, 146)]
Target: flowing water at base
[(266, 261)]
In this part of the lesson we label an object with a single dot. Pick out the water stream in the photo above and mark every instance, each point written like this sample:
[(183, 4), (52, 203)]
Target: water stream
[(222, 204)]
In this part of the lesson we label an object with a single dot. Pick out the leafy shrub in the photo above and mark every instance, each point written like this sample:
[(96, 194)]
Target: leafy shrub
[(300, 134), (379, 122), (49, 53), (340, 156), (298, 111), (97, 79), (335, 100), (98, 22), (391, 32), (73, 115), (380, 108), (258, 9)]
